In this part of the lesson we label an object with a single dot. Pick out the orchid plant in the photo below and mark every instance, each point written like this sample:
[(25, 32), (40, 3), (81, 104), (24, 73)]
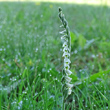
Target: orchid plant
[(66, 79)]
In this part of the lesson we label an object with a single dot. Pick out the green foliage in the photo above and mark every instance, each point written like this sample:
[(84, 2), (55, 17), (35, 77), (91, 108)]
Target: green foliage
[(81, 41), (73, 38), (104, 47), (97, 77)]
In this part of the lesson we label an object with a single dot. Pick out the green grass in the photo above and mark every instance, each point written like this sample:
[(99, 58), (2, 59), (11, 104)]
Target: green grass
[(31, 60)]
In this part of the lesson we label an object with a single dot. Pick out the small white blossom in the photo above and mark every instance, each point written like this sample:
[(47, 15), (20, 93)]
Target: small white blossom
[(63, 37), (63, 32), (66, 39), (67, 61), (66, 54), (68, 72), (65, 44), (67, 67), (66, 49), (69, 91), (68, 79), (69, 85)]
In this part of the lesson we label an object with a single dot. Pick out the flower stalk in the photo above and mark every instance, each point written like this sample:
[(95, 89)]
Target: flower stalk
[(65, 36)]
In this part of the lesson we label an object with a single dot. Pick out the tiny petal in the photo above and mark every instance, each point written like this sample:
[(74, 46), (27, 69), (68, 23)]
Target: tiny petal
[(66, 66), (68, 79), (69, 85), (63, 32), (67, 61), (68, 72), (66, 39), (63, 37), (65, 44), (66, 49), (66, 54), (69, 91)]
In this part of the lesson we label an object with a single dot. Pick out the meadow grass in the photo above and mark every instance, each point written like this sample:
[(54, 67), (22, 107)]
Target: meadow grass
[(31, 60)]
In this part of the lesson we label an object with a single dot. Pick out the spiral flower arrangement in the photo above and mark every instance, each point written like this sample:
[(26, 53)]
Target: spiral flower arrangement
[(67, 87)]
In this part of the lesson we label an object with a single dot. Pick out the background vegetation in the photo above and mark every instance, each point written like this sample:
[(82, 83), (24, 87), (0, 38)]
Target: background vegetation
[(31, 60)]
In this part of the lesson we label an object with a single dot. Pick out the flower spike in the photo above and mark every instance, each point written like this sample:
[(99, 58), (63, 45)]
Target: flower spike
[(66, 54)]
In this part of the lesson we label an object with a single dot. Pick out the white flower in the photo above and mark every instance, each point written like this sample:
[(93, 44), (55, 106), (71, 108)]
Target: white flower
[(63, 32), (68, 71), (65, 44), (66, 39), (69, 91), (68, 79), (63, 37), (69, 85), (67, 61), (66, 49), (67, 67), (66, 54)]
